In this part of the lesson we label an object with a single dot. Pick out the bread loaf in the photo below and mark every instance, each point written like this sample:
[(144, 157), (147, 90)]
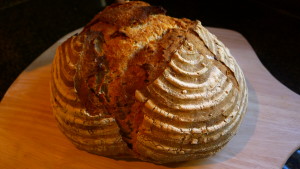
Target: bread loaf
[(137, 83)]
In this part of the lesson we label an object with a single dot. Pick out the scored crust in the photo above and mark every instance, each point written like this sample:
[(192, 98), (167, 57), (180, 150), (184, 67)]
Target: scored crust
[(136, 82)]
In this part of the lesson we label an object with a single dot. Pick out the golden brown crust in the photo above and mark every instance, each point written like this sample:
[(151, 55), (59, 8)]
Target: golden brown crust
[(136, 82), (127, 14)]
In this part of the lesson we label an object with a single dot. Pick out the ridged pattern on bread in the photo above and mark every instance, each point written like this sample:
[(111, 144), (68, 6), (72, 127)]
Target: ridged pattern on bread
[(141, 84), (94, 133), (193, 109)]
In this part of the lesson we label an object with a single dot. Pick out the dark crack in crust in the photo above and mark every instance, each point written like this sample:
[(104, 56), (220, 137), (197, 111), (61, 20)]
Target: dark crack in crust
[(89, 80)]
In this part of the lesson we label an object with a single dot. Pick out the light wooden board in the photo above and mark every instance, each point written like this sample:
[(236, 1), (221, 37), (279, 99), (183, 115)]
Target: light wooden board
[(269, 133)]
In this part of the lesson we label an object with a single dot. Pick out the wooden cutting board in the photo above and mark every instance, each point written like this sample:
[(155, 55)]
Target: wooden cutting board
[(269, 133)]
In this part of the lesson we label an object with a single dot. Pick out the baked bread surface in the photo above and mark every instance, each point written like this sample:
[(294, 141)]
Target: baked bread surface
[(138, 83)]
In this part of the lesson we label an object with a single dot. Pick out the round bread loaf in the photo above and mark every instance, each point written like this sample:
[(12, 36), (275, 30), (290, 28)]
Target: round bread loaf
[(138, 83)]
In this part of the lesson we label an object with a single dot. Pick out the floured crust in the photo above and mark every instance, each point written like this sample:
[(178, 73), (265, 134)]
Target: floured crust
[(138, 83)]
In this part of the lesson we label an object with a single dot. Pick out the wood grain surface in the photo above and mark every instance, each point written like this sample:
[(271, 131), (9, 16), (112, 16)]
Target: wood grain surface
[(269, 133)]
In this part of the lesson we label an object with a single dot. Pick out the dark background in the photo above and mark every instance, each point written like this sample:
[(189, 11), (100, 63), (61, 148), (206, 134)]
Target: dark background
[(28, 27)]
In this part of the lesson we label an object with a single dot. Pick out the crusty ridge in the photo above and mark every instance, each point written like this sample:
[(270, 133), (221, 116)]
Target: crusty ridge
[(140, 83)]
